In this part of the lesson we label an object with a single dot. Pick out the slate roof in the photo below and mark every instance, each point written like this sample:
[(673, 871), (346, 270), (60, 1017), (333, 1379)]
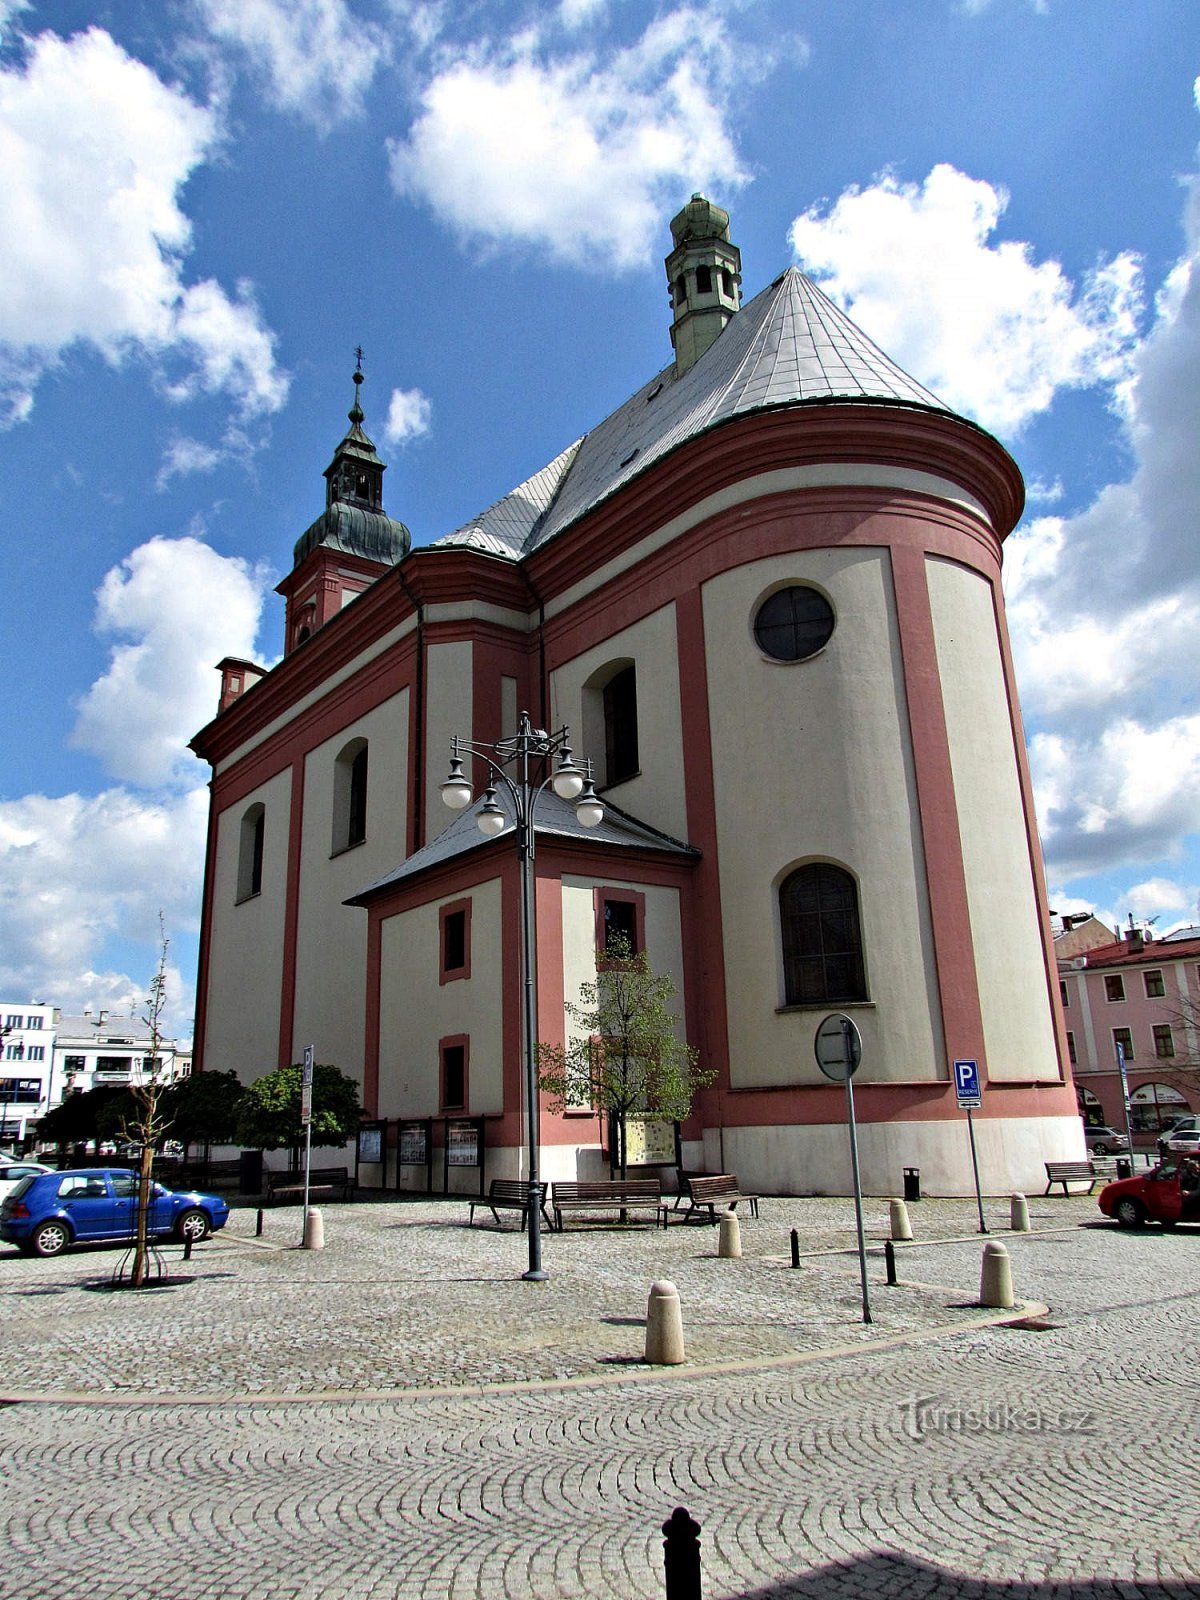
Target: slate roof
[(553, 819), (790, 346)]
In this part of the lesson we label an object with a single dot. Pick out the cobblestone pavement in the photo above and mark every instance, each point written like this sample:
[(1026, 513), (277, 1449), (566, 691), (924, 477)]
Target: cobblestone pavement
[(400, 1416)]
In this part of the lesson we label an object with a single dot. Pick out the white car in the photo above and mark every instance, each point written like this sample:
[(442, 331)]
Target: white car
[(1184, 1141), (13, 1169)]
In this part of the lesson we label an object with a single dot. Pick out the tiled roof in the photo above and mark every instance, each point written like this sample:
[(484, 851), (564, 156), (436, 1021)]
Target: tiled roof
[(1155, 951), (553, 818), (789, 346)]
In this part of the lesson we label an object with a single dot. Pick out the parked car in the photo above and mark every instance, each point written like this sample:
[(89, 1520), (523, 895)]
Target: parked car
[(1105, 1141), (14, 1168), (1183, 1142), (1153, 1197), (50, 1211), (1177, 1129)]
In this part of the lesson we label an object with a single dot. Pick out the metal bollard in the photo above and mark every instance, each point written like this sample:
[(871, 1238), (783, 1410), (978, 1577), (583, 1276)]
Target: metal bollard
[(681, 1555), (889, 1256), (795, 1248), (258, 1226), (187, 1248)]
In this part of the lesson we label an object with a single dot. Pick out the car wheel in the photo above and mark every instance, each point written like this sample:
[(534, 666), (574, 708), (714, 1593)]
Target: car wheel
[(1130, 1213), (51, 1239), (193, 1225), (1101, 1150)]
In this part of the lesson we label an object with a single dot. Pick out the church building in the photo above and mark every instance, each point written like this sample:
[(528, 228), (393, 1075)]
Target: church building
[(764, 597)]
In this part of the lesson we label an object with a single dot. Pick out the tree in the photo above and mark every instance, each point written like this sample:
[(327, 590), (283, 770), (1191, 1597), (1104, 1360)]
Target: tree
[(80, 1117), (203, 1108), (624, 1055), (269, 1111), (147, 1126)]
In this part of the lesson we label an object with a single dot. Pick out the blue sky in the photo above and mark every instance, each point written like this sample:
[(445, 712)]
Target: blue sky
[(207, 204)]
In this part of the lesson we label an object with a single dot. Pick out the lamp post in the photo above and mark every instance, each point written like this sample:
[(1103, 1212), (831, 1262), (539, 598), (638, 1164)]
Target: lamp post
[(527, 753)]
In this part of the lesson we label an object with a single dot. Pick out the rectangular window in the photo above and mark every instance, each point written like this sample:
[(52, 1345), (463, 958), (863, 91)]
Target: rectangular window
[(34, 1022), (1062, 992), (37, 1052), (114, 1066), (1123, 1037), (620, 920), (74, 1063), (20, 1091), (454, 1073), (454, 940), (14, 1019), (1114, 987), (1164, 1041), (1071, 1047), (1154, 985)]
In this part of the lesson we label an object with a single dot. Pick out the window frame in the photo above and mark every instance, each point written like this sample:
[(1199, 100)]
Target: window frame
[(793, 953), (617, 894), (454, 1042), (619, 704), (1162, 1034), (1114, 981), (1126, 1041), (454, 908), (827, 618), (252, 834), (351, 789), (1154, 977), (1072, 1054)]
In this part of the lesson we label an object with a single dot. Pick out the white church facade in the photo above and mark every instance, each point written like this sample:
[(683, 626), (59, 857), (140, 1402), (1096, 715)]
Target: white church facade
[(764, 595)]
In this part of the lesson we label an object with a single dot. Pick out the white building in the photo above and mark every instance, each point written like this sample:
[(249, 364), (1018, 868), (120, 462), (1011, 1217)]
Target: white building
[(26, 1084), (104, 1047)]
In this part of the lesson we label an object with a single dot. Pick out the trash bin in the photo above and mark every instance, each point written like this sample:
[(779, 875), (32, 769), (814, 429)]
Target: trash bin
[(912, 1183), (1124, 1167), (250, 1172)]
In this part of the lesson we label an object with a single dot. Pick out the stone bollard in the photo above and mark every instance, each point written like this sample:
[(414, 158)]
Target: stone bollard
[(729, 1245), (995, 1281), (901, 1226), (1018, 1214), (314, 1230), (664, 1326)]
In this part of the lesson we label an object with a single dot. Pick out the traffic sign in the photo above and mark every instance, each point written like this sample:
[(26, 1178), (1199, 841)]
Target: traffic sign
[(306, 1081), (967, 1086), (838, 1048)]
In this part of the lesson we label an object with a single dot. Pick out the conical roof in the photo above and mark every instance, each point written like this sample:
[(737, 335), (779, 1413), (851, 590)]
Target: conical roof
[(790, 346)]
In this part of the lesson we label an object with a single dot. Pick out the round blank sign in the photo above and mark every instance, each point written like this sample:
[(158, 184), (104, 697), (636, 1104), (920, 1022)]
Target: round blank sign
[(838, 1048)]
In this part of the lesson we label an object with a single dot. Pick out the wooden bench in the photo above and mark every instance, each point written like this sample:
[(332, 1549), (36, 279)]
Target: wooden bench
[(1066, 1172), (510, 1194), (704, 1191), (615, 1194), (321, 1180)]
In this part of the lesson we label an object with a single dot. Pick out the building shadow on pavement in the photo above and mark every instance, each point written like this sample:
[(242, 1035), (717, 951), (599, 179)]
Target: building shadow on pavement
[(884, 1576)]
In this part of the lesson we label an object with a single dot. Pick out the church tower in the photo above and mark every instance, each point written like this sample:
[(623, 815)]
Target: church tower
[(353, 539), (704, 273)]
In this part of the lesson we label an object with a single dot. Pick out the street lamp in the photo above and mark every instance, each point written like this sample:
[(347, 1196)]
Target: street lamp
[(529, 746)]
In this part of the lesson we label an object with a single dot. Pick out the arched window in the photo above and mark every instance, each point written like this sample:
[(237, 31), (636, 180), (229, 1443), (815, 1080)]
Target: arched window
[(1155, 1106), (821, 936), (250, 851), (350, 796), (620, 726)]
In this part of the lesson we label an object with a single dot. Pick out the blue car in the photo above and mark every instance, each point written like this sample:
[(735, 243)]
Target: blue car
[(48, 1212)]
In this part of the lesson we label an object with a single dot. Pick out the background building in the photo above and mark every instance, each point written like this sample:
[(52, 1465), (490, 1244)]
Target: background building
[(1143, 993), (765, 596), (27, 1034)]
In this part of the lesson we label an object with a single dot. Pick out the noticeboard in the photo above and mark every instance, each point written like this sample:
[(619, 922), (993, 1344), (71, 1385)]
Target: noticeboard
[(649, 1142), (413, 1144), (370, 1144), (462, 1144)]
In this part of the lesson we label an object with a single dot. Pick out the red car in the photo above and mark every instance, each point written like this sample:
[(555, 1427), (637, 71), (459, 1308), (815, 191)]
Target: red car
[(1154, 1197)]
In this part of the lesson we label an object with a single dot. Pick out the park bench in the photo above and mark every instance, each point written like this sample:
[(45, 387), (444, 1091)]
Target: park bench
[(615, 1194), (510, 1194), (703, 1191), (1066, 1172), (321, 1180)]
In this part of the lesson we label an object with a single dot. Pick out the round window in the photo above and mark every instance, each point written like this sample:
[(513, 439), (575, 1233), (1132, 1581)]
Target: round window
[(793, 623)]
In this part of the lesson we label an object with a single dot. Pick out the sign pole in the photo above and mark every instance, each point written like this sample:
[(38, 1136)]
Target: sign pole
[(306, 1086), (838, 1049), (975, 1169), (1120, 1048), (969, 1094)]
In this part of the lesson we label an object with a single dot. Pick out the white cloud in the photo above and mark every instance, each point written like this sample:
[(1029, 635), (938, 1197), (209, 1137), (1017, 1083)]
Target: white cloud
[(77, 872), (1158, 895), (184, 456), (578, 153), (315, 58), (95, 150), (178, 608), (992, 332), (409, 416), (578, 13)]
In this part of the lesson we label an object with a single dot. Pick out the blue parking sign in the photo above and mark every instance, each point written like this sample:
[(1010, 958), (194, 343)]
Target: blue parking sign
[(966, 1085)]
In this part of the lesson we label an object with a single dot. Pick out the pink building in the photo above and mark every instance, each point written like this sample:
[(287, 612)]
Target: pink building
[(1143, 994), (764, 594)]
